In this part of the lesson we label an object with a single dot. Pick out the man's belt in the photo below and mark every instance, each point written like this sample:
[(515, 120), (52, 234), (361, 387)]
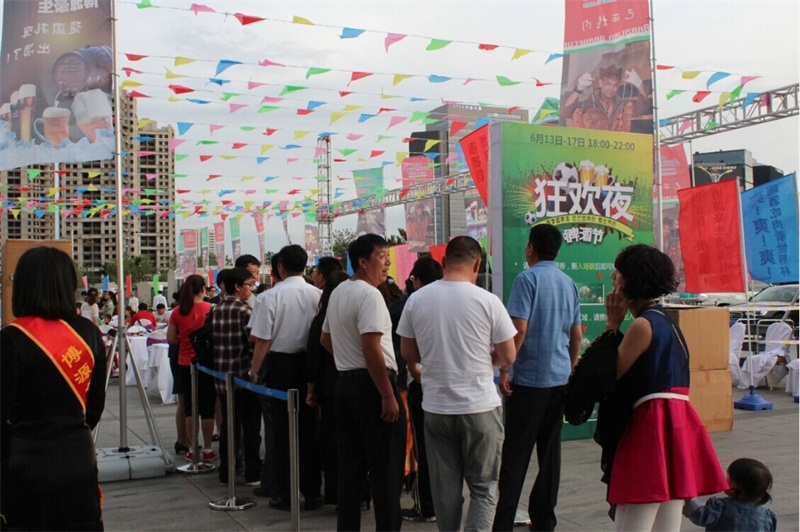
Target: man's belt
[(364, 372)]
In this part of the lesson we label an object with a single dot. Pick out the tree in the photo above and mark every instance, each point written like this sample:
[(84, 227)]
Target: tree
[(212, 259), (396, 240), (228, 262), (140, 268), (268, 257), (341, 240)]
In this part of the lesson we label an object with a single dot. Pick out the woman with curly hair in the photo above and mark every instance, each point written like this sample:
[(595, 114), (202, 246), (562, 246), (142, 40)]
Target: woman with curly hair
[(664, 454)]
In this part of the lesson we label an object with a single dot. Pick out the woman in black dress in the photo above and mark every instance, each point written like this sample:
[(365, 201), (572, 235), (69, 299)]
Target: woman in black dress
[(52, 380)]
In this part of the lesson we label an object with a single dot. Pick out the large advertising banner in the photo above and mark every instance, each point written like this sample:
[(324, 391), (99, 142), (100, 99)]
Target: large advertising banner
[(236, 237), (606, 82), (189, 237), (311, 235), (204, 248), (675, 176), (420, 227), (56, 83), (595, 186), (476, 214), (219, 244), (258, 218)]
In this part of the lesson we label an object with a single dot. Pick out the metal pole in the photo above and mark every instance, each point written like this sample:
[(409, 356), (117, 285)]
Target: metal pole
[(292, 405), (196, 466), (123, 406), (657, 155), (231, 502)]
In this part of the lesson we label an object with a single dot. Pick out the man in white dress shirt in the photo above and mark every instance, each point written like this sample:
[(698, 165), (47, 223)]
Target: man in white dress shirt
[(280, 327)]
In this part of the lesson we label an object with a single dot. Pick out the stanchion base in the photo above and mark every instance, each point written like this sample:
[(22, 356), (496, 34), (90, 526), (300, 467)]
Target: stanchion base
[(228, 504), (752, 401), (194, 469)]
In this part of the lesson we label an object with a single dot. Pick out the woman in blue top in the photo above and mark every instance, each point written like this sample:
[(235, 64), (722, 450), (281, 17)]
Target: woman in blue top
[(664, 454)]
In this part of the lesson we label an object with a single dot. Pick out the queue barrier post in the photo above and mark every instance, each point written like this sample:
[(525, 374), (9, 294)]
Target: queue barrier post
[(293, 405), (196, 466), (231, 502)]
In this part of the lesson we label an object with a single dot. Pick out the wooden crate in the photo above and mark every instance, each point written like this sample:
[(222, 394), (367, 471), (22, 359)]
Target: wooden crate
[(707, 331), (711, 394)]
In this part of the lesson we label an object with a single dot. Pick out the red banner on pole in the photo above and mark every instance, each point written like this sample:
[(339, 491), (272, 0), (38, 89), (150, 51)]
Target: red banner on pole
[(710, 237), (476, 151), (437, 253), (128, 287)]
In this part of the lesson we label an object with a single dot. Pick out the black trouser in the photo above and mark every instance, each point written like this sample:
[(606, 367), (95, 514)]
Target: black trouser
[(418, 424), (533, 417), (367, 444), (268, 474), (329, 457), (287, 371), (247, 433)]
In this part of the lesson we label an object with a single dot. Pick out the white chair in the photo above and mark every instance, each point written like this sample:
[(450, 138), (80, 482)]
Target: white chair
[(761, 365), (793, 379), (735, 350)]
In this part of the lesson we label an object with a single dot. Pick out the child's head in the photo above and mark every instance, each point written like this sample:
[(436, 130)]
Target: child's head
[(750, 481)]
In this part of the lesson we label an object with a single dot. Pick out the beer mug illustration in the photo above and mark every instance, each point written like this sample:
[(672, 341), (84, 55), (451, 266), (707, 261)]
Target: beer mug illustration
[(601, 176), (92, 111), (26, 106), (55, 125), (586, 172), (5, 117)]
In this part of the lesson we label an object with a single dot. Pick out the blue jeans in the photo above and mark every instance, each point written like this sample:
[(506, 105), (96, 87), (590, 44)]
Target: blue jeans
[(464, 447)]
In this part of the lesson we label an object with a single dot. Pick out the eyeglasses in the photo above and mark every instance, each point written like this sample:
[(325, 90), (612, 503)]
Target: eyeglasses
[(250, 283)]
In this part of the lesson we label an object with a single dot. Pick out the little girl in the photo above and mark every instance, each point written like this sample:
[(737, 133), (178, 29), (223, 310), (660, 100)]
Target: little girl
[(750, 482)]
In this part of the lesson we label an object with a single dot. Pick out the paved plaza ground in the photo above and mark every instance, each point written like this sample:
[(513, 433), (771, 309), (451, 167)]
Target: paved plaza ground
[(180, 502)]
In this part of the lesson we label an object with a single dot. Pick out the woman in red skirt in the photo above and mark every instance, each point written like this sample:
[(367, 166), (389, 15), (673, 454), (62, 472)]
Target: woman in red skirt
[(664, 454)]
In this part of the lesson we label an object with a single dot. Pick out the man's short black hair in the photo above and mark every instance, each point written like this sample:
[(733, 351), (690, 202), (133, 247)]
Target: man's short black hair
[(294, 259), (160, 306), (328, 265), (462, 250), (245, 260), (546, 240), (363, 246), (274, 262), (142, 306), (234, 277), (91, 290)]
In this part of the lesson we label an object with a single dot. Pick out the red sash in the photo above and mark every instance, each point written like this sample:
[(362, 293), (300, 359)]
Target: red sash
[(65, 348)]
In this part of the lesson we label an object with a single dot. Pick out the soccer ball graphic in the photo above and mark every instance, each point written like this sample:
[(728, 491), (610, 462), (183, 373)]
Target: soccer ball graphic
[(566, 173), (530, 218)]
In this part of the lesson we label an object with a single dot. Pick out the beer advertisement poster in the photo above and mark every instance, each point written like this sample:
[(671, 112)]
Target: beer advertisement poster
[(595, 186), (56, 82)]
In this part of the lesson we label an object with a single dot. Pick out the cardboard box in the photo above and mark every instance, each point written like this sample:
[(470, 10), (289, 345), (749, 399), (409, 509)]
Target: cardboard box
[(711, 394), (707, 332)]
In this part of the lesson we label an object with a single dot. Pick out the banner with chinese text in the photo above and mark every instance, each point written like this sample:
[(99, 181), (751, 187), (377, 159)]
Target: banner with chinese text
[(204, 248), (236, 237), (258, 219), (710, 238), (219, 243), (56, 84), (770, 221), (606, 81), (595, 186), (189, 264)]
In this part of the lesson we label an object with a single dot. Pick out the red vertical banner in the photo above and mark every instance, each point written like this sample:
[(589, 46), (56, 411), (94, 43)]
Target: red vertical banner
[(219, 244), (675, 173), (437, 253), (710, 237), (476, 151), (128, 287)]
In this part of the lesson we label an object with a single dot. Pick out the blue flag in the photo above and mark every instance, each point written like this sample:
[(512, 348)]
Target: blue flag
[(105, 282), (769, 217)]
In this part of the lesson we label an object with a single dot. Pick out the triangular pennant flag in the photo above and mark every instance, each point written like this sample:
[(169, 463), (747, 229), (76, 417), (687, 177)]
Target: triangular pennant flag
[(225, 64), (552, 57), (664, 67), (671, 94), (747, 79), (267, 62), (715, 77), (400, 77), (750, 97), (301, 20), (396, 120), (691, 74), (456, 126), (183, 127), (519, 52), (135, 57), (438, 79), (244, 20), (313, 71), (335, 115), (199, 8), (291, 88), (350, 33), (723, 98), (355, 76), (183, 61), (505, 82), (735, 93), (392, 38), (437, 44), (430, 144), (487, 47), (180, 89), (699, 96), (233, 107)]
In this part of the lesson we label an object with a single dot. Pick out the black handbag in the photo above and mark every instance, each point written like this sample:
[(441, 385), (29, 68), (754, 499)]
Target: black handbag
[(202, 341)]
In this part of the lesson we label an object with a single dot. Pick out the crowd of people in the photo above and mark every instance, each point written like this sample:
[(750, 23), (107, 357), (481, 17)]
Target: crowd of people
[(440, 383)]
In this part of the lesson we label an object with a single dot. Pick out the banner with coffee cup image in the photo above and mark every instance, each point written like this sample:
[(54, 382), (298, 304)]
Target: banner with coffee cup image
[(56, 87)]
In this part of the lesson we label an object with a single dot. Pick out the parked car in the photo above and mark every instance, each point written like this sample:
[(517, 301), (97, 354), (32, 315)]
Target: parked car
[(765, 308), (726, 299)]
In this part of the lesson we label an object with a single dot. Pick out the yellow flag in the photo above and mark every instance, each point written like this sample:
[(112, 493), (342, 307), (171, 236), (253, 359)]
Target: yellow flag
[(348, 108), (172, 75), (431, 143), (266, 147), (519, 52), (691, 74), (301, 20), (335, 115), (183, 61), (400, 77), (300, 134)]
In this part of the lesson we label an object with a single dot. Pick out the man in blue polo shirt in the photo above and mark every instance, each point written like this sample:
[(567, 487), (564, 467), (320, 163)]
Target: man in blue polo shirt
[(544, 307)]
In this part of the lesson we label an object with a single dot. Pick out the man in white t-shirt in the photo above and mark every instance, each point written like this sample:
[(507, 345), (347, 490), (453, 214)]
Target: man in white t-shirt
[(448, 326), (280, 326), (370, 424), (159, 299)]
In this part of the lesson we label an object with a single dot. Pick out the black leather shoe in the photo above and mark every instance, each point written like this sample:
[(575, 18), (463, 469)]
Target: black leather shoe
[(263, 492), (279, 503)]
